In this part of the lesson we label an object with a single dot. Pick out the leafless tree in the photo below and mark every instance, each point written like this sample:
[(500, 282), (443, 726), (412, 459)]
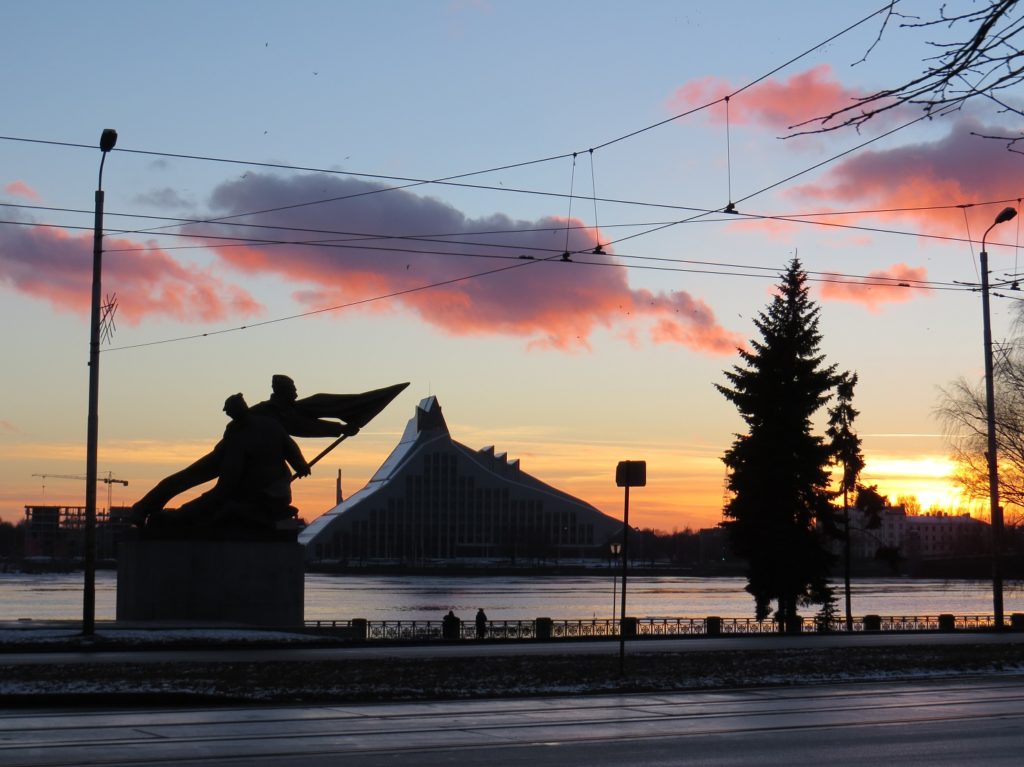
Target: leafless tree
[(963, 413), (982, 61)]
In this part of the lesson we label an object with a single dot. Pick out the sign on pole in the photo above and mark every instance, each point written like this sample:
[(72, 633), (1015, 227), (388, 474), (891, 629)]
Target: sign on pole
[(627, 474)]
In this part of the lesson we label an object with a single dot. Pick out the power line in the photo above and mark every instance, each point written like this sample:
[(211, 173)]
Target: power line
[(446, 180), (353, 236), (836, 279), (224, 242), (394, 294), (761, 272), (731, 207), (449, 179), (750, 84), (358, 241)]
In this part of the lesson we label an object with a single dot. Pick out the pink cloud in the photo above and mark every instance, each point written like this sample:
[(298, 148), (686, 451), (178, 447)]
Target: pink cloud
[(56, 267), (956, 169), (23, 190), (775, 103), (684, 320), (395, 242), (897, 284)]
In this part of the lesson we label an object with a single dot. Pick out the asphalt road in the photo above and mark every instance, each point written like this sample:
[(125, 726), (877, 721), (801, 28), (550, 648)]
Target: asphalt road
[(968, 720)]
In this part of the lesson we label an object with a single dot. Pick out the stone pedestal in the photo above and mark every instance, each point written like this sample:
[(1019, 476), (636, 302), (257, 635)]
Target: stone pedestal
[(255, 583)]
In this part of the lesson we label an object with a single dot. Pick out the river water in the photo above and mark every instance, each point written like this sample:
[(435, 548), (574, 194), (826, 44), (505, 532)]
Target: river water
[(379, 597)]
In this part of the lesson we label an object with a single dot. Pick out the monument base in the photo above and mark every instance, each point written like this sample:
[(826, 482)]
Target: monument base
[(255, 583)]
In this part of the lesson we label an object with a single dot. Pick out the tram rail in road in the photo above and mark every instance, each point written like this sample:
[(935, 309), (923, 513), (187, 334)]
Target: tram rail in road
[(941, 722)]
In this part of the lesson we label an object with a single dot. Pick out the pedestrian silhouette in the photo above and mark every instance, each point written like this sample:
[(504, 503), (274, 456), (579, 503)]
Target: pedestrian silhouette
[(450, 626), (481, 623)]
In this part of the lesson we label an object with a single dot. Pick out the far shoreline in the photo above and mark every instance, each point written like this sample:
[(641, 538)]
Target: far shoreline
[(973, 568)]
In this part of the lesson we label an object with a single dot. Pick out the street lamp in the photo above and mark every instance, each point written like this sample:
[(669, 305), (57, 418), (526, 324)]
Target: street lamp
[(107, 141), (995, 510)]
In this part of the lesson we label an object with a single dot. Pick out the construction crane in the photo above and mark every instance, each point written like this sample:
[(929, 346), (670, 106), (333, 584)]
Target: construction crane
[(108, 480)]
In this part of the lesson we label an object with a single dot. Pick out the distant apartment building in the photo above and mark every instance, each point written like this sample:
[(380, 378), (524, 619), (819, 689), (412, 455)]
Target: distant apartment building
[(58, 532), (924, 536), (713, 546), (436, 499)]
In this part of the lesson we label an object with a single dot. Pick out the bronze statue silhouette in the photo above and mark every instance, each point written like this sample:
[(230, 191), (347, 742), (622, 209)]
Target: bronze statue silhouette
[(305, 418), (253, 486), (251, 461)]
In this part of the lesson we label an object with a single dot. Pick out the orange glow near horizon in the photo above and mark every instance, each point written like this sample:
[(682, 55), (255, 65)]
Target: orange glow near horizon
[(685, 481), (929, 479)]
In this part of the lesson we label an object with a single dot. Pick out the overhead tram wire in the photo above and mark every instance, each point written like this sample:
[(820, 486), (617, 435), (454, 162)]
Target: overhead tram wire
[(357, 236), (750, 84), (413, 237), (789, 178), (360, 242), (865, 281), (763, 273), (230, 242), (416, 182), (352, 238), (675, 117), (421, 181), (411, 182), (598, 250), (769, 273), (842, 154), (360, 245), (359, 302), (731, 207), (568, 216), (446, 180)]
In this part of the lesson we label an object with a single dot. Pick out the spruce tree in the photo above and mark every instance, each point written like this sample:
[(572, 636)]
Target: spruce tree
[(780, 504), (846, 452)]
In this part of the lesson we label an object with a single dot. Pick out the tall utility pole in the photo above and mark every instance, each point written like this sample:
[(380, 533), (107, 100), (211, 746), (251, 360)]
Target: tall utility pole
[(995, 510), (107, 141)]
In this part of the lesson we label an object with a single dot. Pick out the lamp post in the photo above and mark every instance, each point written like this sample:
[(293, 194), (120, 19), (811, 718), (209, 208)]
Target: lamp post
[(107, 141), (995, 510)]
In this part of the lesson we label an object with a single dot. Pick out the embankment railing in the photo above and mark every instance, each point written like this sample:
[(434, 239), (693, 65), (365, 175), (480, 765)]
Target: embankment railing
[(642, 628)]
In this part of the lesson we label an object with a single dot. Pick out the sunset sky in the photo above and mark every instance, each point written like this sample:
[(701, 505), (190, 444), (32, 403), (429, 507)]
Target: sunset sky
[(346, 192)]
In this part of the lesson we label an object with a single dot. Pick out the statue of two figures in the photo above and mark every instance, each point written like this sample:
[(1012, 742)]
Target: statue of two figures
[(253, 464)]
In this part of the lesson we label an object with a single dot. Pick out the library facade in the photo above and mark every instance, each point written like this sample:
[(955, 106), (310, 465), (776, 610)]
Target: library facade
[(437, 499)]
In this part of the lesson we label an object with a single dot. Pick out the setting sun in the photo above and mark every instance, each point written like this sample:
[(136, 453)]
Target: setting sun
[(929, 479)]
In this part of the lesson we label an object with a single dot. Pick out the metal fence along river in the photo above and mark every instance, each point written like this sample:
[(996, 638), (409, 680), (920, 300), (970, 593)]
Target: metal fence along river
[(640, 628)]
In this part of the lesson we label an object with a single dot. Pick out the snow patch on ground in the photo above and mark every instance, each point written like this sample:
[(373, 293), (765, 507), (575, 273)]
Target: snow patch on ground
[(43, 637)]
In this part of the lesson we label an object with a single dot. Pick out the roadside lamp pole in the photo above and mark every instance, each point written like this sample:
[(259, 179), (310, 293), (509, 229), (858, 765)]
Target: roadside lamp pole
[(107, 141), (627, 474), (995, 510)]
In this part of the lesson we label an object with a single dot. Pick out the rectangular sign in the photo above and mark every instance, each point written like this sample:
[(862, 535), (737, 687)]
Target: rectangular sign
[(631, 474)]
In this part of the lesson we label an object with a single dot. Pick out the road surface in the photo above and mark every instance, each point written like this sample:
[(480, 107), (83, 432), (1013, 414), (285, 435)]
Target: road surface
[(958, 721)]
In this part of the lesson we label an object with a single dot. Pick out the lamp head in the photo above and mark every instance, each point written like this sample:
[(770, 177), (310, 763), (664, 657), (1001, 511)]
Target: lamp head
[(109, 138), (1006, 214)]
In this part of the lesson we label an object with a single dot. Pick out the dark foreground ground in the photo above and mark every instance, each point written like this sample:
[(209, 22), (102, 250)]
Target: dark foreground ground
[(52, 680)]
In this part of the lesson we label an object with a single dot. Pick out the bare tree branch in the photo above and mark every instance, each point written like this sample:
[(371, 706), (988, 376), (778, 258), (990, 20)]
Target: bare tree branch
[(962, 411), (986, 62)]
